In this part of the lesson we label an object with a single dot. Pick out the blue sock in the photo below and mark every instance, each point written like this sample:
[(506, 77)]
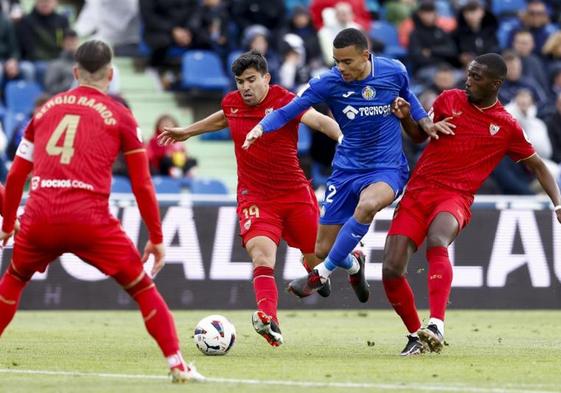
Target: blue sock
[(346, 241)]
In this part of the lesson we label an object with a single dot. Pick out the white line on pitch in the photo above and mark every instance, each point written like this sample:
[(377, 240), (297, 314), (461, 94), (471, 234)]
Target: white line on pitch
[(348, 385)]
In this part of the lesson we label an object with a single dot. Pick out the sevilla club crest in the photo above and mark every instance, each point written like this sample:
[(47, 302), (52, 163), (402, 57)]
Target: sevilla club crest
[(493, 128)]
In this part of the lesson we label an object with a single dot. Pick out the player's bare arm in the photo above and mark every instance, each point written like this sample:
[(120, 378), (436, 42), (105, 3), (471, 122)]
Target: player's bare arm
[(418, 132), (538, 167), (214, 122), (323, 124)]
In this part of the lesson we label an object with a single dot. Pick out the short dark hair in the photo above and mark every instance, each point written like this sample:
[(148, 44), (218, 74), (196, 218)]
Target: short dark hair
[(496, 66), (93, 55), (350, 36), (251, 59)]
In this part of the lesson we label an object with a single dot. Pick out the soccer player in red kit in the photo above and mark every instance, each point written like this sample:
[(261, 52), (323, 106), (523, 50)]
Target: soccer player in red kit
[(438, 197), (70, 146), (275, 199)]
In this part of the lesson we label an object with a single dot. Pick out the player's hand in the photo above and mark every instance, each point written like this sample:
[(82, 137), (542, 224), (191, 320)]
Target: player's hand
[(4, 237), (401, 108), (441, 127), (159, 252), (170, 135), (252, 136)]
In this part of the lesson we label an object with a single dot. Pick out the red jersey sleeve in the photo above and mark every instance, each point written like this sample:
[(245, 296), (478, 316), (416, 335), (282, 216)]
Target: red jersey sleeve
[(131, 136), (29, 132), (520, 147), (439, 111)]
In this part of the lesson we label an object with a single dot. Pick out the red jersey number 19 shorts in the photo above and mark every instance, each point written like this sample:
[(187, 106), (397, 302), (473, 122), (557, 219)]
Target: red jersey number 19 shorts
[(293, 217), (417, 209)]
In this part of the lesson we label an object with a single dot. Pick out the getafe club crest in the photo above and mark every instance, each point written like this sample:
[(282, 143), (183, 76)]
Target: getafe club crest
[(368, 93), (268, 110), (493, 128)]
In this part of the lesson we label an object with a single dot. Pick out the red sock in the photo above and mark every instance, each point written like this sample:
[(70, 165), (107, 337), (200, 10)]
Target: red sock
[(266, 294), (157, 317), (11, 288), (401, 297), (439, 280)]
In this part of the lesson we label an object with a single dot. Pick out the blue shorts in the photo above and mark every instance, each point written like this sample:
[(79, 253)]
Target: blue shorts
[(343, 190)]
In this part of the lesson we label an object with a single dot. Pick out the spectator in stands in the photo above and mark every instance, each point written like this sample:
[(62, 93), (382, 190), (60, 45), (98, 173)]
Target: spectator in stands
[(361, 14), (267, 13), (476, 32), (115, 22), (19, 128), (444, 78), (210, 24), (12, 9), (300, 23), (334, 20), (294, 71), (171, 160), (515, 81), (446, 23), (429, 45), (10, 66), (258, 38), (551, 52), (554, 131), (166, 26), (40, 33), (532, 65), (535, 19), (59, 77)]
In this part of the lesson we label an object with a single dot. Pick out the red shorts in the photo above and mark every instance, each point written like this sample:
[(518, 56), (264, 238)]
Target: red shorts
[(293, 217), (102, 245), (416, 210)]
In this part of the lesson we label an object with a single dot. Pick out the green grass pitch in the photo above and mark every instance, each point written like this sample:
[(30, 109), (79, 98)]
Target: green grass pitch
[(324, 351)]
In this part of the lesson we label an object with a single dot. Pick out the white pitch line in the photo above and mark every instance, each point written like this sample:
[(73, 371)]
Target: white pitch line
[(348, 385)]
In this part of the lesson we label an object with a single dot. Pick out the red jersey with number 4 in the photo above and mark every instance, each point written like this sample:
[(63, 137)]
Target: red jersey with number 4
[(73, 141), (270, 167), (483, 137)]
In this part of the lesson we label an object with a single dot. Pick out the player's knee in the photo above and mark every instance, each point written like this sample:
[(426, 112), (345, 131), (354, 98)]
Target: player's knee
[(260, 259), (436, 240), (322, 250), (393, 265), (139, 285), (14, 273), (366, 210)]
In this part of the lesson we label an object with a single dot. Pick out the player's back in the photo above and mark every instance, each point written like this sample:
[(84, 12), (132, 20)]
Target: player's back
[(77, 136)]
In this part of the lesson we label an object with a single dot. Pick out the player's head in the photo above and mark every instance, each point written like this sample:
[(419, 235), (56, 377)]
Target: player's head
[(350, 52), (252, 77), (93, 64), (485, 75)]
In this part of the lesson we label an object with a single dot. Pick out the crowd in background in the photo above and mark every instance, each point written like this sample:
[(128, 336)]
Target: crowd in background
[(436, 40)]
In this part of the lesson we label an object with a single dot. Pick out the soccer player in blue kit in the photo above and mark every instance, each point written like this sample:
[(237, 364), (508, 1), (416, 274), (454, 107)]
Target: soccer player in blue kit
[(369, 167)]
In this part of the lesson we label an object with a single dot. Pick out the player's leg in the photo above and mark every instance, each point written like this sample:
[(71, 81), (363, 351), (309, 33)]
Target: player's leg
[(262, 251), (397, 253), (442, 231), (11, 287)]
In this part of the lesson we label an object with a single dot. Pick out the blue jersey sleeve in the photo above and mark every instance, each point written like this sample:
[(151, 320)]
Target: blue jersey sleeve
[(314, 93), (417, 110)]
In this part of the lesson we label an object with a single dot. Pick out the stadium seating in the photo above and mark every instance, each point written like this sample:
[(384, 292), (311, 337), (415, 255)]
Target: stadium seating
[(502, 8), (11, 120), (20, 96), (208, 186), (120, 184), (386, 33), (166, 185), (202, 69)]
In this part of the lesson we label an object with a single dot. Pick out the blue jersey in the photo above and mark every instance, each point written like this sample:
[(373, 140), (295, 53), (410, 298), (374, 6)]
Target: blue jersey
[(372, 134)]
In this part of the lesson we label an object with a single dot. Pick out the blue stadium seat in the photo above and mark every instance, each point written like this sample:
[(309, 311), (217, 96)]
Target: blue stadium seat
[(304, 139), (121, 184), (386, 33), (12, 121), (506, 27), (20, 96), (502, 8), (166, 185), (291, 4), (208, 186), (202, 69), (233, 56)]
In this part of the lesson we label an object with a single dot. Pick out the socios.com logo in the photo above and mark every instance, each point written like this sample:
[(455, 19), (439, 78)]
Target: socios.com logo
[(350, 112)]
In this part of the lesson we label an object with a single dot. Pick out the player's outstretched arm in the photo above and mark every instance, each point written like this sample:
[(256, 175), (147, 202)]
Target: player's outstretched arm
[(538, 167), (143, 191), (214, 122), (418, 131), (323, 124)]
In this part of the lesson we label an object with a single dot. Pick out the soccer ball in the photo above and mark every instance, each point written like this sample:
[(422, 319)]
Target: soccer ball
[(215, 335)]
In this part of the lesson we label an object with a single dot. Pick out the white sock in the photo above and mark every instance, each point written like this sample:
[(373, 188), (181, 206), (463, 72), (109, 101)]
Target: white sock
[(323, 271), (355, 267), (175, 360), (414, 334), (439, 324)]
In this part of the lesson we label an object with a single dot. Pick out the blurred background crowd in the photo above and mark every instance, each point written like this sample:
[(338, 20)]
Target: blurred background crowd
[(189, 46)]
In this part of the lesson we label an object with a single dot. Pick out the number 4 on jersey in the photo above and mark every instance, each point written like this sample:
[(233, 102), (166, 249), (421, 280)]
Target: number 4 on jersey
[(67, 126)]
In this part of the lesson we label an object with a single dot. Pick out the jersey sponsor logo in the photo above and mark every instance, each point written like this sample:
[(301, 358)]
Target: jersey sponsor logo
[(493, 128), (234, 110), (350, 112), (368, 93), (348, 94), (25, 150), (37, 182)]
